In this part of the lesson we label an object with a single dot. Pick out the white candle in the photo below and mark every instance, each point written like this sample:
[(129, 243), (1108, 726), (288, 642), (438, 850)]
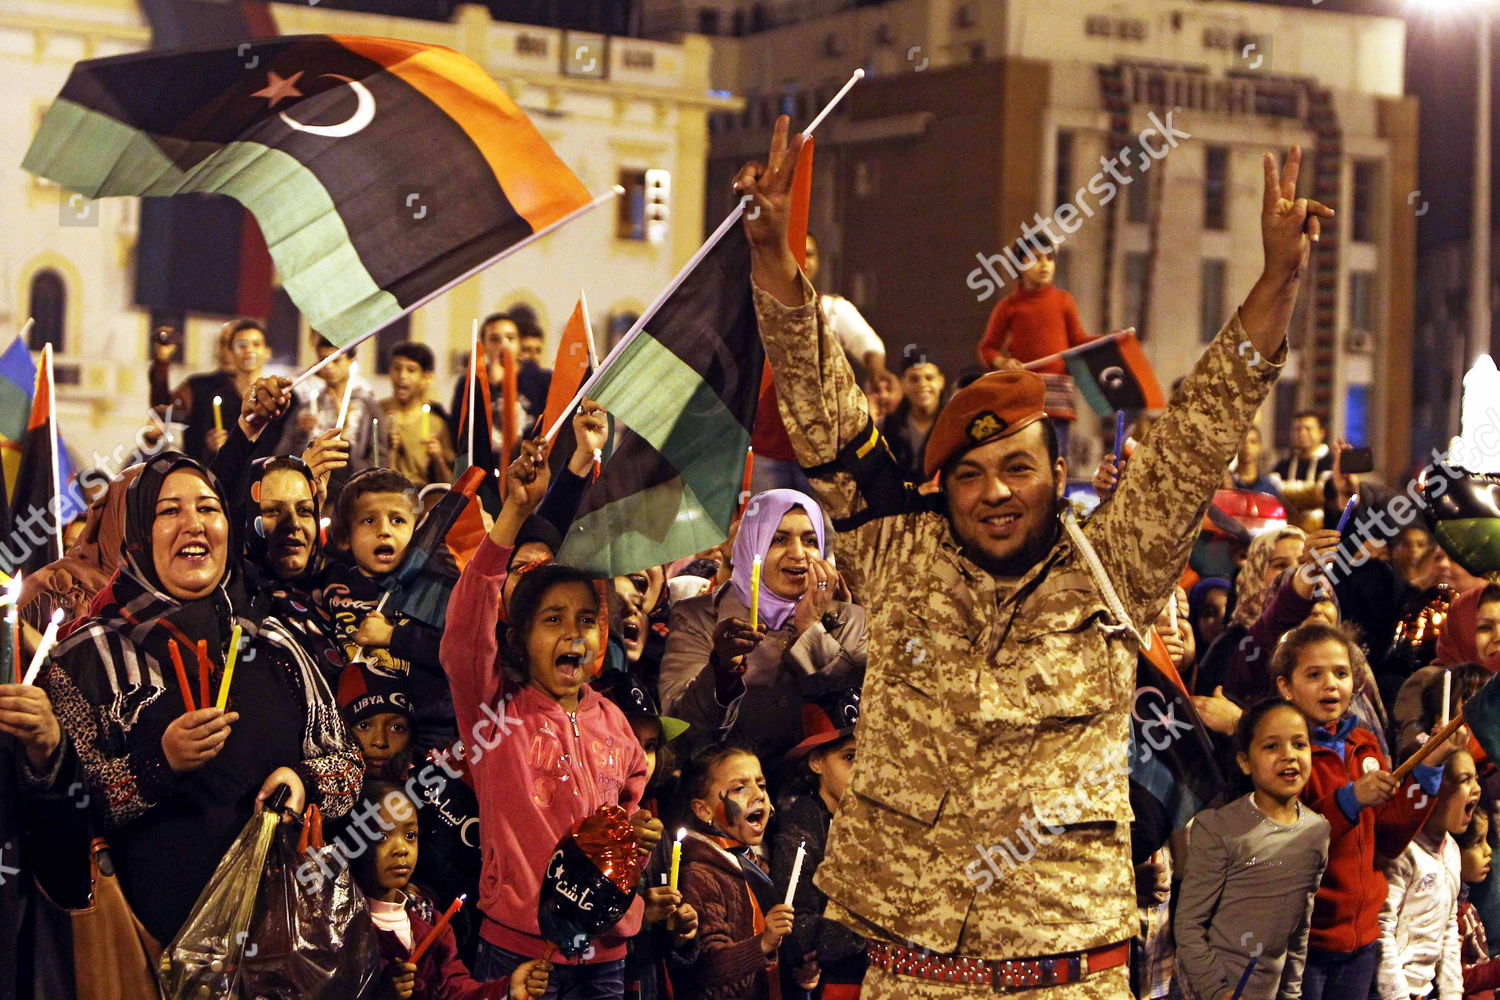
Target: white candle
[(348, 391), (49, 639), (1447, 694), (1172, 611), (791, 887)]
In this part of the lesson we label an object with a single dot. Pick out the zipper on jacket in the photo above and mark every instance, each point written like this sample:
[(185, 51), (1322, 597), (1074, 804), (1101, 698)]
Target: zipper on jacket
[(586, 787)]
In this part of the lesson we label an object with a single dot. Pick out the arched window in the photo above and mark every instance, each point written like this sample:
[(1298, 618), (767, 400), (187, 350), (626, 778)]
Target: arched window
[(48, 306)]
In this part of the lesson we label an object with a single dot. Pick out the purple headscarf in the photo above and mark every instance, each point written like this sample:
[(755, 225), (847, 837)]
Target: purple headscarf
[(762, 517)]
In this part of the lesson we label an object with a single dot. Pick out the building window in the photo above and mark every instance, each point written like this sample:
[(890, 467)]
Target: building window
[(396, 332), (1138, 198), (48, 308), (630, 224), (1362, 301), (1216, 187), (1136, 267), (1062, 178), (1357, 413), (283, 328), (643, 212), (1366, 194), (708, 21), (1211, 312)]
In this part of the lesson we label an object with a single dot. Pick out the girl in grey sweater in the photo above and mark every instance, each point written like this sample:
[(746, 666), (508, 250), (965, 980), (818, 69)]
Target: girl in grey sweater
[(1252, 869)]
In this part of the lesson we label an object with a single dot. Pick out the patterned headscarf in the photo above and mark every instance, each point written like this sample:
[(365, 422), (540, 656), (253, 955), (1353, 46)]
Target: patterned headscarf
[(762, 517), (1249, 593)]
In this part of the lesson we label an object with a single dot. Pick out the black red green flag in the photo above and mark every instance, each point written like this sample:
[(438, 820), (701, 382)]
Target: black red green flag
[(440, 548), (1173, 770), (380, 171), (682, 394), (39, 482), (1113, 374)]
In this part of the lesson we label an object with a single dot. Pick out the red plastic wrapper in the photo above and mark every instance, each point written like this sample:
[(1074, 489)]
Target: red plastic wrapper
[(609, 840)]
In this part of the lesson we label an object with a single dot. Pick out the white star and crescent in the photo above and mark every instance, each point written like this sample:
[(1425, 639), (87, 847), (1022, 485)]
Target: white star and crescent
[(280, 88)]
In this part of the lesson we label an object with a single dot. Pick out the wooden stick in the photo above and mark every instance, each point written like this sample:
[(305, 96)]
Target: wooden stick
[(1401, 773), (1039, 362)]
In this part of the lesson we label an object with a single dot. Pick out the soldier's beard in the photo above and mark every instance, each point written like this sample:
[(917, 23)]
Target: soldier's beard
[(1033, 549)]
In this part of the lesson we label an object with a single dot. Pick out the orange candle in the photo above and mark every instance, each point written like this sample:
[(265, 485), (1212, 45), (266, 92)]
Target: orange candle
[(437, 928)]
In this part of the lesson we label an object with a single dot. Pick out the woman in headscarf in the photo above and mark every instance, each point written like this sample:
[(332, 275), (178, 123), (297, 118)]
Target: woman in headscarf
[(727, 679), (1270, 554), (71, 582), (175, 780)]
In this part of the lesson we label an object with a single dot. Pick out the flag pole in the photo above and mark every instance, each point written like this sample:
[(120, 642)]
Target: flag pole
[(609, 195), (1097, 341), (588, 330), (473, 396), (681, 276), (52, 445)]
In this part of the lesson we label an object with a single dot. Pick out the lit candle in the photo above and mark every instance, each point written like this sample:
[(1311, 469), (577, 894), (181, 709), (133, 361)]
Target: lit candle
[(1348, 513), (1447, 693), (348, 391), (218, 413), (437, 928), (49, 639), (598, 462), (676, 857), (374, 438), (426, 421), (791, 887), (755, 593), (229, 661)]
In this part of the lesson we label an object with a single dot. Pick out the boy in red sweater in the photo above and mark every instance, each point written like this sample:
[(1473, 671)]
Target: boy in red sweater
[(1352, 787), (1035, 320)]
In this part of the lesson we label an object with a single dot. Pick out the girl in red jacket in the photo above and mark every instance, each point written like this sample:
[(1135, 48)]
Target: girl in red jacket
[(403, 917), (1351, 785), (544, 749)]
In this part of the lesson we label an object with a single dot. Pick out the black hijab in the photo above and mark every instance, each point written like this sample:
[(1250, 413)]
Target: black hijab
[(136, 617)]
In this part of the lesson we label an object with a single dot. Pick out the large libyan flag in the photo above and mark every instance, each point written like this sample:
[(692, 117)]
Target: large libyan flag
[(380, 171), (683, 394)]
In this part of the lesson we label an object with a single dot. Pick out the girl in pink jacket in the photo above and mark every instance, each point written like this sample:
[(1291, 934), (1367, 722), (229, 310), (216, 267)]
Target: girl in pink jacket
[(543, 749)]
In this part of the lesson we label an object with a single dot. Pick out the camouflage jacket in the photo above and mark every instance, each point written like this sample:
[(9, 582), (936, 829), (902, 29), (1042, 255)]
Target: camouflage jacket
[(995, 717)]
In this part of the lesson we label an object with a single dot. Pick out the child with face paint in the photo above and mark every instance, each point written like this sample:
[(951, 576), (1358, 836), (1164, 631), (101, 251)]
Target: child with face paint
[(743, 921), (543, 748)]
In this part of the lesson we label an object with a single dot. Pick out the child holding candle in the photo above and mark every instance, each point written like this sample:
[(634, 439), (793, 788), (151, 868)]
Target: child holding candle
[(547, 750), (405, 919), (1351, 786), (1252, 867), (744, 919), (1419, 940), (420, 439), (827, 755), (319, 411)]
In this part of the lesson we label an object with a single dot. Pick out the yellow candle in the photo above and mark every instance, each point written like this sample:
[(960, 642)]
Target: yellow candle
[(426, 421), (676, 857), (229, 662), (218, 413), (755, 593)]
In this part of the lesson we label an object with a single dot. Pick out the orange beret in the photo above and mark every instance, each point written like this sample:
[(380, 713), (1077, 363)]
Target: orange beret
[(989, 408)]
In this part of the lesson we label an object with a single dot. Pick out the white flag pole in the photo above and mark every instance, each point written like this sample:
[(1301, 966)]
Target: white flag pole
[(681, 276), (609, 195), (588, 329)]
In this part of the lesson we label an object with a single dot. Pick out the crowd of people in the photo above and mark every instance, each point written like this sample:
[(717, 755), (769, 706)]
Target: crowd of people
[(812, 726)]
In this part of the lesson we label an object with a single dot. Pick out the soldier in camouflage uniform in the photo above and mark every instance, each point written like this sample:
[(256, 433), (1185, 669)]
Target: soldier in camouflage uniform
[(987, 822)]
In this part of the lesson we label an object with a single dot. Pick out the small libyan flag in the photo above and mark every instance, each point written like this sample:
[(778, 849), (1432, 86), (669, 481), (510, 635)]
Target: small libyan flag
[(1113, 374), (380, 171)]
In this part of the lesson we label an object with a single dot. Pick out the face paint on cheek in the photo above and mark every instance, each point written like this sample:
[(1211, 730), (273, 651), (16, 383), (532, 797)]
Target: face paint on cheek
[(728, 812)]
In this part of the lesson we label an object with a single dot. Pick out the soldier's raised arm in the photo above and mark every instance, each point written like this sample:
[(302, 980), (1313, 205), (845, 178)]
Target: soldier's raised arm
[(1144, 533), (837, 444)]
